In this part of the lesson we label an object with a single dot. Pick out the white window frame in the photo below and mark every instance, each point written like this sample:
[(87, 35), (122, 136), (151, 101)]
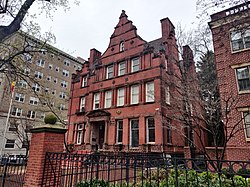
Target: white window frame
[(40, 63), (16, 112), (31, 114), (11, 144), (62, 107), (108, 99), (246, 122), (150, 95), (79, 134), (121, 46), (51, 66), (33, 100), (64, 84), (167, 95), (19, 97), (110, 71), (134, 94), (241, 37), (135, 66), (38, 74), (240, 78), (96, 101), (120, 96), (22, 84), (66, 62), (65, 73), (118, 130), (62, 95), (131, 134), (36, 87), (84, 81), (169, 131), (149, 129), (121, 70), (82, 104), (57, 69)]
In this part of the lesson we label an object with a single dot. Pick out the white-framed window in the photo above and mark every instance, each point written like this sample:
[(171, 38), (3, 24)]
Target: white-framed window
[(27, 57), (43, 51), (65, 73), (121, 46), (31, 114), (109, 71), (10, 144), (240, 39), (13, 126), (57, 69), (121, 68), (26, 71), (49, 78), (150, 126), (55, 80), (134, 95), (40, 63), (62, 95), (64, 84), (150, 96), (16, 111), (79, 134), (169, 131), (96, 104), (51, 66), (34, 100), (53, 92), (135, 64), (62, 107), (246, 119), (38, 75), (66, 62), (22, 84), (19, 97), (120, 96), (243, 77), (134, 133), (167, 95), (36, 87), (46, 90), (42, 115), (108, 99), (119, 131), (82, 104), (84, 81)]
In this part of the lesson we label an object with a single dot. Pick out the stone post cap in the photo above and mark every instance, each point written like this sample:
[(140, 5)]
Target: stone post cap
[(49, 128)]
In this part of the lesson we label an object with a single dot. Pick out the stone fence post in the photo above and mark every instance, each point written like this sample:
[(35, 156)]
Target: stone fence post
[(45, 138)]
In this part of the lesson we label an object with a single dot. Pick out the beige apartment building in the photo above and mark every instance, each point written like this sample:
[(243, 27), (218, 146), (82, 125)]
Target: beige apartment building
[(42, 85)]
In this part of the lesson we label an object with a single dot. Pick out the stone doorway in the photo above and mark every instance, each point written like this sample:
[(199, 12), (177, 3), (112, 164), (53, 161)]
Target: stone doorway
[(98, 134)]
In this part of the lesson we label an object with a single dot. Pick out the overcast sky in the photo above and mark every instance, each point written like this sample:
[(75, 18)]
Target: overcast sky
[(91, 24)]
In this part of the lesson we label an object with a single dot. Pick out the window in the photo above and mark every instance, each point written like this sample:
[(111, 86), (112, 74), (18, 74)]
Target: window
[(27, 57), (96, 104), (82, 104), (134, 94), (119, 131), (120, 96), (49, 78), (169, 131), (55, 80), (150, 122), (121, 46), (243, 77), (61, 107), (36, 87), (64, 84), (121, 68), (19, 97), (109, 71), (26, 71), (135, 65), (62, 95), (108, 99), (22, 84), (43, 51), (13, 127), (65, 73), (167, 95), (42, 115), (84, 81), (51, 66), (240, 39), (66, 62), (53, 92), (10, 143), (79, 134), (38, 75), (134, 132), (40, 63), (246, 117), (150, 92), (57, 69), (34, 101), (31, 114), (16, 111)]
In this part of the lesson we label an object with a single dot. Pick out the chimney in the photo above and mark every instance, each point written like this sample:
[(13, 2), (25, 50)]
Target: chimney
[(167, 29), (94, 54)]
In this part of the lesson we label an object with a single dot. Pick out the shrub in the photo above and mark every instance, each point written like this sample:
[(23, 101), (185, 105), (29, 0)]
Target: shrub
[(50, 119)]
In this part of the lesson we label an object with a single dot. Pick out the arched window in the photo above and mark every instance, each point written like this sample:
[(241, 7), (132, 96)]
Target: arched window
[(122, 46)]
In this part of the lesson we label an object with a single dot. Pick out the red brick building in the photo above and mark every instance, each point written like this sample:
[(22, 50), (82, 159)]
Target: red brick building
[(120, 100), (231, 38)]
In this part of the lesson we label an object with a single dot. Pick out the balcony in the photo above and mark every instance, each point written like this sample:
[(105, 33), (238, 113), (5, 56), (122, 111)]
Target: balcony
[(80, 112)]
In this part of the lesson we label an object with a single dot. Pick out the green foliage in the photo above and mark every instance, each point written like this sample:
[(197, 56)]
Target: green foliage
[(50, 119), (93, 183)]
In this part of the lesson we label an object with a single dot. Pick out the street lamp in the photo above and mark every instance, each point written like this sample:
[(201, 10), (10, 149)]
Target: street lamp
[(3, 6)]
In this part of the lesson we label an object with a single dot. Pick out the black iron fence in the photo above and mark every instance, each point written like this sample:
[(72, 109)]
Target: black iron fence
[(123, 169), (12, 170)]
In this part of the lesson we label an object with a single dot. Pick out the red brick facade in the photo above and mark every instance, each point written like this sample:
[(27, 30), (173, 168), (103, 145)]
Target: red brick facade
[(232, 56), (119, 100)]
